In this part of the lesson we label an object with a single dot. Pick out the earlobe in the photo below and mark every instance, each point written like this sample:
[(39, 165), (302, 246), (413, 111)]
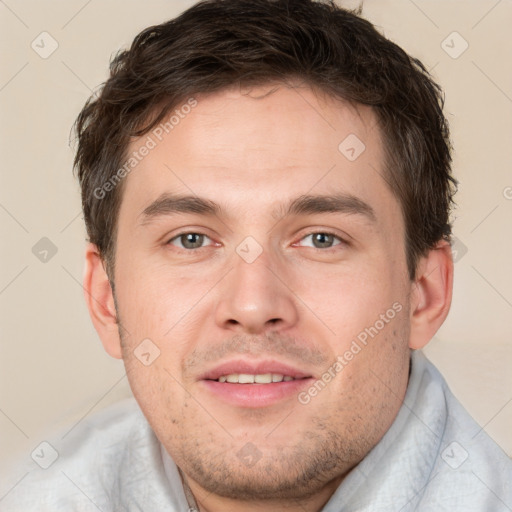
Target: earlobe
[(431, 294), (100, 301)]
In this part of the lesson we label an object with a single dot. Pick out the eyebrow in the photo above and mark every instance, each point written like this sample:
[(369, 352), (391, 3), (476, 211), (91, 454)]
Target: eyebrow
[(336, 203), (168, 204)]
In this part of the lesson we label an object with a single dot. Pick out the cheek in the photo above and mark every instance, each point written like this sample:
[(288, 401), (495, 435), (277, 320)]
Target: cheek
[(157, 392), (372, 378), (157, 302), (162, 315), (354, 299), (366, 311)]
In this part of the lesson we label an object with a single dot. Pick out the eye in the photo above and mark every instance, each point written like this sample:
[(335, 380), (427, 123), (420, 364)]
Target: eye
[(320, 240), (189, 240)]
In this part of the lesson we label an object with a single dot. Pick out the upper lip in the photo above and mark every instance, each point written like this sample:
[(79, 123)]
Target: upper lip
[(253, 368)]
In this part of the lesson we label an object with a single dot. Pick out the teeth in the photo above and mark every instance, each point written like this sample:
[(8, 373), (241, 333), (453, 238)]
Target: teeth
[(266, 378), (245, 378)]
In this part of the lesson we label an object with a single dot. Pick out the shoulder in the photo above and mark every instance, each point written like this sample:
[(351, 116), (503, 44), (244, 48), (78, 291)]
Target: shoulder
[(88, 467), (471, 472)]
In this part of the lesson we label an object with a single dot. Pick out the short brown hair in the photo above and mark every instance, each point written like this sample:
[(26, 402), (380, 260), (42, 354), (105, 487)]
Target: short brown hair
[(217, 44)]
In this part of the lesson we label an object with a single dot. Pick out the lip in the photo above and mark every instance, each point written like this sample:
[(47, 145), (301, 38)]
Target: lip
[(254, 395)]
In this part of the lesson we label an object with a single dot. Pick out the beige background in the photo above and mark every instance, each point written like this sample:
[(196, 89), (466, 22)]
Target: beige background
[(53, 370)]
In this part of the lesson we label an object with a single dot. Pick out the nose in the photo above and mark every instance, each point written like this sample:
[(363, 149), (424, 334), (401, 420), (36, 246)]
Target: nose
[(255, 297)]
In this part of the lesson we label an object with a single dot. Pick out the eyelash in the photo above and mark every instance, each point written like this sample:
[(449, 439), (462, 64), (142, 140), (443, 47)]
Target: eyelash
[(328, 233), (185, 233), (340, 240)]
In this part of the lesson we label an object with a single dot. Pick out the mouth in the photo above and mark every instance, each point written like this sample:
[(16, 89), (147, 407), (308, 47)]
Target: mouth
[(261, 378), (250, 385)]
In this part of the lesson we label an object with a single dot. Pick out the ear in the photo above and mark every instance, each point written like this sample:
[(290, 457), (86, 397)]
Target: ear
[(100, 301), (431, 296)]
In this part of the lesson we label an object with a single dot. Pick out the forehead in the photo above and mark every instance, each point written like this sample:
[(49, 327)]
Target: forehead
[(257, 148)]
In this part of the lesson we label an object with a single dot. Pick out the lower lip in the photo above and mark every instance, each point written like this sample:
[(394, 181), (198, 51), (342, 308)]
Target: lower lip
[(256, 395)]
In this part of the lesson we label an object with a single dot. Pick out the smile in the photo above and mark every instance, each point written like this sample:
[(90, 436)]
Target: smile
[(254, 384), (262, 378)]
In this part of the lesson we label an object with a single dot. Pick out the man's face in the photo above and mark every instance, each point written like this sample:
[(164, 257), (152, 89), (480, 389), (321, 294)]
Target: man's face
[(250, 244)]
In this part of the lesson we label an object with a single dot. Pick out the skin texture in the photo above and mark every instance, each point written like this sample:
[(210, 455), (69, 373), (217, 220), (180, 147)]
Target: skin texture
[(252, 153)]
